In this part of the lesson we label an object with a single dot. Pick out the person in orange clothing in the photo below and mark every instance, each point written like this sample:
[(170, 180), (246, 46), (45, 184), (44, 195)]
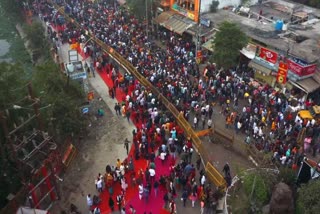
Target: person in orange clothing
[(273, 126), (228, 121), (118, 163), (123, 111)]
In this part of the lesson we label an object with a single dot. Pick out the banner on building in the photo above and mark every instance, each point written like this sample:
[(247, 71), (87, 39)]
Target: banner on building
[(301, 69), (268, 55), (282, 73)]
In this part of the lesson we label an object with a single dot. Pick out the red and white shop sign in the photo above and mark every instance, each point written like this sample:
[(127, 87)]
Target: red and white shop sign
[(310, 69), (268, 55), (295, 67), (301, 70)]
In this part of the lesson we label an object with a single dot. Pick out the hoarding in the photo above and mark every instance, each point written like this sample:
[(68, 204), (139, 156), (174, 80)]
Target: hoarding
[(267, 55), (300, 67), (282, 73)]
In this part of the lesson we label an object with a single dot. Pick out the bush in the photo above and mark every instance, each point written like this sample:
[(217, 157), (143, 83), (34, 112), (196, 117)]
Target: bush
[(287, 176), (308, 201), (255, 184)]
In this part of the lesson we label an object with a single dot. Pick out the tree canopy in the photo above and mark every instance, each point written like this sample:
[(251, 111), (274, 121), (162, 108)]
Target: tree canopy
[(138, 8), (64, 115), (308, 198), (37, 40), (61, 113), (228, 41)]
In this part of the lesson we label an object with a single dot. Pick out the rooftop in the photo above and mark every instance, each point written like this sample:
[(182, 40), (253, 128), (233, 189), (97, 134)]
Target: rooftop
[(301, 35)]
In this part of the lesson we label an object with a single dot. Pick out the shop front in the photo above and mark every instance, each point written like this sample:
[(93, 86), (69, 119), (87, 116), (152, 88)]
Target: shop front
[(264, 71), (264, 79)]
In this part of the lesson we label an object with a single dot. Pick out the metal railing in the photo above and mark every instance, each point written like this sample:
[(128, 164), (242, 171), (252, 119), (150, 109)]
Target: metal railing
[(213, 174)]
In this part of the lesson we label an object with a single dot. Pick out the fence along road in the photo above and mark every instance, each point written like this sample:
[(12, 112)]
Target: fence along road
[(212, 173)]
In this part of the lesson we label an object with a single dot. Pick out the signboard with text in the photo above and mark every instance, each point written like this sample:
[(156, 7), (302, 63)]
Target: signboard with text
[(268, 55), (205, 22), (300, 67), (282, 73), (184, 12)]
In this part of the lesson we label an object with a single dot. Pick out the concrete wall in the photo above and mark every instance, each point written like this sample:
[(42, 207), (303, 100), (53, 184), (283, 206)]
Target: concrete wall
[(205, 4)]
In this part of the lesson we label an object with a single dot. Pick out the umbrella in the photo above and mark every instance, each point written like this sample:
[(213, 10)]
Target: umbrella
[(246, 94)]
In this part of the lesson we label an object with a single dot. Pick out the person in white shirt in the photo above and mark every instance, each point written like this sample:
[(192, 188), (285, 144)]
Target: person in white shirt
[(122, 169), (99, 185), (203, 180), (283, 159), (140, 191), (89, 201), (152, 173), (209, 123), (195, 122), (163, 156)]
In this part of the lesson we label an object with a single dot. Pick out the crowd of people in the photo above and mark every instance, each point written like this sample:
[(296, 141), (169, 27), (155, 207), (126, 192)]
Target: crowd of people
[(265, 118), (260, 113)]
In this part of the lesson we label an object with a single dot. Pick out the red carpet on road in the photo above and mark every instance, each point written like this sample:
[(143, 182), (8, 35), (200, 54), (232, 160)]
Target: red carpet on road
[(154, 204)]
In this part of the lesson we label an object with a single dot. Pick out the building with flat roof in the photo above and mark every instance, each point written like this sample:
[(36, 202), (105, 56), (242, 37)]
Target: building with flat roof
[(282, 32)]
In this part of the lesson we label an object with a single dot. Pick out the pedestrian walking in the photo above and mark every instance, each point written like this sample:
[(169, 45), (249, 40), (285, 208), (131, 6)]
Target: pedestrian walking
[(184, 197), (166, 199), (201, 207), (152, 174), (99, 185), (126, 145), (89, 201), (173, 208), (131, 209), (195, 122), (140, 191), (198, 163), (163, 157), (146, 194), (209, 123), (226, 169), (97, 210), (193, 198), (119, 201), (111, 204), (117, 108), (156, 187), (123, 210)]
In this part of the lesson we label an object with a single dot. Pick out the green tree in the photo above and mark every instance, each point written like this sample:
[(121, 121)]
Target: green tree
[(256, 187), (13, 8), (308, 198), (64, 116), (228, 41), (37, 40), (138, 8), (13, 92)]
